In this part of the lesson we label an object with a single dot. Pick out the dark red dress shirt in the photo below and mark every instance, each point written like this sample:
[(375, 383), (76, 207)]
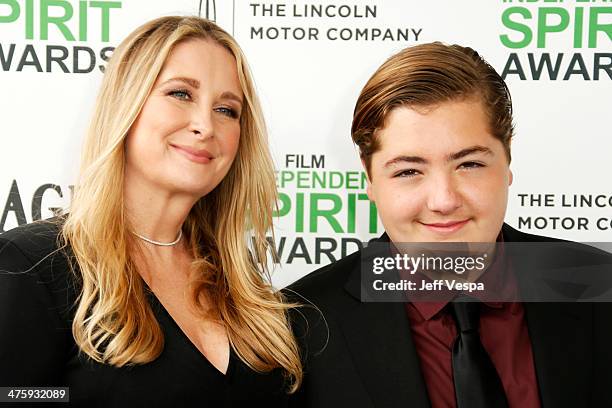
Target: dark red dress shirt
[(504, 335)]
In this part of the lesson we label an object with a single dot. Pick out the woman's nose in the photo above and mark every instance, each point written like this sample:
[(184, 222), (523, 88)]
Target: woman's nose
[(202, 123)]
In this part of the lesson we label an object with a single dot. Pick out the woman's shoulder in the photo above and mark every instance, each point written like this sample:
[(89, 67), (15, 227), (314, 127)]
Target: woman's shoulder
[(31, 255), (31, 244), (34, 240), (36, 295)]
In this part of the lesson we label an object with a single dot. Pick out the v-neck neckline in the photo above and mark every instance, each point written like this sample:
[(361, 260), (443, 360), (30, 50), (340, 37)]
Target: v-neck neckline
[(156, 303)]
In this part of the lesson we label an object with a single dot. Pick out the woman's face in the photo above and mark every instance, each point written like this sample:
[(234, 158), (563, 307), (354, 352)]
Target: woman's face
[(186, 136)]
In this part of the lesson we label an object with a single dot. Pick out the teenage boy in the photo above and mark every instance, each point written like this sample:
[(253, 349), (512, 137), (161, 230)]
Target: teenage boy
[(433, 126)]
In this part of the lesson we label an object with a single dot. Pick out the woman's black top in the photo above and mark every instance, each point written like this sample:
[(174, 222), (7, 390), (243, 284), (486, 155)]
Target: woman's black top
[(37, 295)]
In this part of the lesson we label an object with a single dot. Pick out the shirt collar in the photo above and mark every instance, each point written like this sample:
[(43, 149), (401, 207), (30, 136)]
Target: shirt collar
[(428, 310)]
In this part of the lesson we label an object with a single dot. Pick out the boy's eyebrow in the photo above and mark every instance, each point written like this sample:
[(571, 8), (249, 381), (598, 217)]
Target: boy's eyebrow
[(406, 159), (451, 157), (470, 150)]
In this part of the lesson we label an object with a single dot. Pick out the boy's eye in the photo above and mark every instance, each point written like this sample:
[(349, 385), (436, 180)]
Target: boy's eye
[(471, 165), (406, 173)]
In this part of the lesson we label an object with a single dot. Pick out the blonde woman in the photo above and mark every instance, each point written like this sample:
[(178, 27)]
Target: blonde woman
[(146, 293)]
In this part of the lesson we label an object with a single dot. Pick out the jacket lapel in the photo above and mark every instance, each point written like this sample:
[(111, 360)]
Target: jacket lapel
[(560, 335), (379, 340)]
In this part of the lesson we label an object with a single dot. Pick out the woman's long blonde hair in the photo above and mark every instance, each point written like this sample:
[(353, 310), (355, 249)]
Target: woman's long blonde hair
[(114, 323)]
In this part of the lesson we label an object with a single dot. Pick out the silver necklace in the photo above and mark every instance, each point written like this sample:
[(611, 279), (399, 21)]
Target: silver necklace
[(150, 241)]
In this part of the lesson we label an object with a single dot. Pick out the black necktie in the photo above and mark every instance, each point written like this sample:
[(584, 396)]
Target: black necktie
[(477, 384)]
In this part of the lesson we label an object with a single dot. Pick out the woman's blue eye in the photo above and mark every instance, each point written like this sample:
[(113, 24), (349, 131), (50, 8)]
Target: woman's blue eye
[(228, 112), (180, 94)]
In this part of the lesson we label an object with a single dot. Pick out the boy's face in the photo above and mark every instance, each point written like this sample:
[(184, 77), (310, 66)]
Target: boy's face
[(440, 175)]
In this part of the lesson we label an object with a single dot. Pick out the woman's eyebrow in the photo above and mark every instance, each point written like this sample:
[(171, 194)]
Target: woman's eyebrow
[(196, 84), (232, 96), (189, 81)]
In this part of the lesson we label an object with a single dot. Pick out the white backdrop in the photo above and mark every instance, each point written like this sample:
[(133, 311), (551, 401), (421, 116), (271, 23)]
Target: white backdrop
[(310, 60)]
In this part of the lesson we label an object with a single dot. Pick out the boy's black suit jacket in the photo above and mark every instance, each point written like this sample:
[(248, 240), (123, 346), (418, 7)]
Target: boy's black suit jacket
[(362, 355)]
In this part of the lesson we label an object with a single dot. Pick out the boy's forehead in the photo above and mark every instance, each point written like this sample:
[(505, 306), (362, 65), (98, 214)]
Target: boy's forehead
[(448, 126)]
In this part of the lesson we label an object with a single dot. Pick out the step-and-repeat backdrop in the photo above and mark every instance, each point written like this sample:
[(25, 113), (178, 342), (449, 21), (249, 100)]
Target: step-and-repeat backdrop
[(310, 59)]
